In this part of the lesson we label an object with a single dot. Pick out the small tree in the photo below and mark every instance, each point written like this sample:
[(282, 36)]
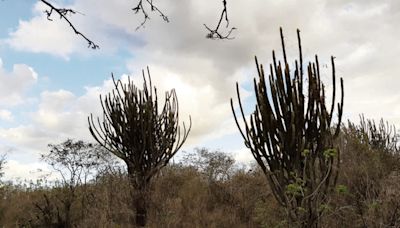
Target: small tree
[(74, 161), (291, 137), (133, 129), (215, 165)]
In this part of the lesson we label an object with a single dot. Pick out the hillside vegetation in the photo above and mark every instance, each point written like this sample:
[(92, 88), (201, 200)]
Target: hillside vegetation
[(207, 189)]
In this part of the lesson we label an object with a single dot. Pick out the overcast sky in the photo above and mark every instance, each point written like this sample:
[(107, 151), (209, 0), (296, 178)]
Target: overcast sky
[(51, 81)]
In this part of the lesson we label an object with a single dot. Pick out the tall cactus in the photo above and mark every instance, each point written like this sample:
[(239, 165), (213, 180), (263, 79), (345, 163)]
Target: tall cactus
[(379, 136), (133, 129), (291, 136)]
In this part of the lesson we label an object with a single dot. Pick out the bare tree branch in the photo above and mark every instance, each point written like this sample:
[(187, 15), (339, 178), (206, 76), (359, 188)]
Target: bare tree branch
[(140, 8), (214, 33), (63, 12)]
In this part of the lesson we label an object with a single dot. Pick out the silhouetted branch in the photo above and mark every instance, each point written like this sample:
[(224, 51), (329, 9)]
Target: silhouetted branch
[(214, 33), (63, 12), (140, 8)]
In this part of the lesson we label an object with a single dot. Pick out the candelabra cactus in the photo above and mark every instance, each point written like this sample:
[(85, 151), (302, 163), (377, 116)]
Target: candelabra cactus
[(292, 135), (133, 129), (379, 136)]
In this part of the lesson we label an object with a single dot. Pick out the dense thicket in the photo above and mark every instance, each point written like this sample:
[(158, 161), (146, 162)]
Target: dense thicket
[(211, 191)]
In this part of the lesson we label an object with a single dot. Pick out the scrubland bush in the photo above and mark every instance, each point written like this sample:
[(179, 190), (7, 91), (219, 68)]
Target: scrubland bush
[(367, 195)]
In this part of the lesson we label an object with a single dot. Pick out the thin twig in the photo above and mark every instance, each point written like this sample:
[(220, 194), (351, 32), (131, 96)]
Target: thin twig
[(140, 8), (63, 12), (214, 33)]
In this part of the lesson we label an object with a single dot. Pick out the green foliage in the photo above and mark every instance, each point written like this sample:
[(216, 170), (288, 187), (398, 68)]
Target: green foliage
[(342, 189), (294, 189), (305, 153), (330, 153), (324, 207)]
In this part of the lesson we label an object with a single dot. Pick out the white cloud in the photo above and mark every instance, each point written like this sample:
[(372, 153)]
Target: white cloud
[(200, 101), (15, 83), (29, 138), (243, 156), (16, 170), (41, 35), (363, 35), (59, 115), (56, 37), (6, 115), (204, 71)]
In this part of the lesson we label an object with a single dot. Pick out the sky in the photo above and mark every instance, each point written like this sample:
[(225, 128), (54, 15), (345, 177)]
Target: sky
[(50, 81)]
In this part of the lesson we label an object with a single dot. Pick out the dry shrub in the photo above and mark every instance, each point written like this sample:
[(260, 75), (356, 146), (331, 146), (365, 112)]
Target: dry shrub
[(369, 177)]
